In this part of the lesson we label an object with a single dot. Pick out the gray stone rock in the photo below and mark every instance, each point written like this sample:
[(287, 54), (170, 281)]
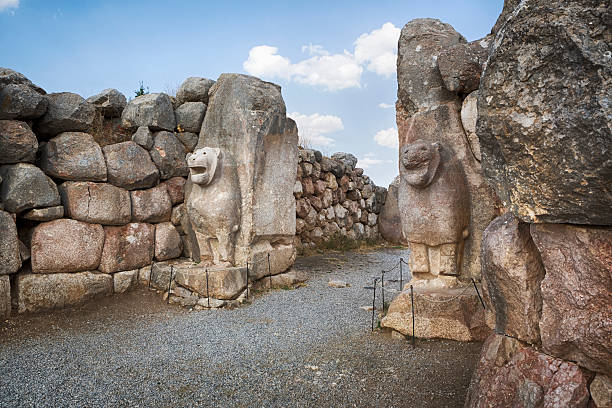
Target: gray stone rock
[(601, 391), (125, 281), (66, 246), (194, 89), (189, 116), (8, 77), (223, 283), (168, 242), (176, 189), (152, 110), (306, 156), (151, 205), (25, 186), (129, 166), (188, 139), (73, 156), (544, 113), (509, 6), (44, 214), (389, 222), (10, 261), (144, 137), (5, 297), (36, 292), (420, 84), (96, 203), (67, 112), (17, 142), (461, 65), (469, 116), (20, 101), (128, 247), (168, 153), (512, 272), (110, 102), (349, 160)]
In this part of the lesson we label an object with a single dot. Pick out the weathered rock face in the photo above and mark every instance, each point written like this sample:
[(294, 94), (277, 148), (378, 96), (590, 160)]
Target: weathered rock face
[(194, 89), (17, 142), (176, 189), (509, 374), (143, 137), (246, 119), (66, 246), (444, 313), (168, 153), (461, 65), (42, 292), (576, 320), (73, 156), (544, 116), (469, 116), (24, 186), (419, 82), (189, 116), (8, 77), (223, 283), (18, 101), (96, 203), (152, 110), (512, 270), (129, 166), (44, 214), (126, 248), (67, 112), (10, 261), (168, 242), (601, 391), (5, 297), (152, 205), (124, 281), (389, 222), (110, 102)]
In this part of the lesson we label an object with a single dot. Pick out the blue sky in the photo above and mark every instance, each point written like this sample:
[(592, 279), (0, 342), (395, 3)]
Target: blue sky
[(333, 59)]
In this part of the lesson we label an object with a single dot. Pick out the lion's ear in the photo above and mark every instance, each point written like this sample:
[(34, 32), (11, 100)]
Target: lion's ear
[(217, 152)]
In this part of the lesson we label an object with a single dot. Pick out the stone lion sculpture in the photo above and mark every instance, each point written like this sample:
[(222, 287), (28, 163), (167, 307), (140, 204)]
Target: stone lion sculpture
[(213, 205), (434, 208)]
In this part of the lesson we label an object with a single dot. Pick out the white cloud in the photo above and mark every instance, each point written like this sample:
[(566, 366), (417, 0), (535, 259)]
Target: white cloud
[(375, 51), (387, 137), (5, 4), (311, 128), (370, 160), (385, 105), (378, 49)]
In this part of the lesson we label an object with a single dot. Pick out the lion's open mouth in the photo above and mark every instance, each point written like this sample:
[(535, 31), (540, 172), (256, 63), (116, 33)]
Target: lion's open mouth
[(197, 170)]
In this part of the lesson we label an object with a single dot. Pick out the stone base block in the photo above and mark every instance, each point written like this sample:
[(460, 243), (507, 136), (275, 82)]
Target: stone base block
[(442, 313), (49, 291), (289, 278)]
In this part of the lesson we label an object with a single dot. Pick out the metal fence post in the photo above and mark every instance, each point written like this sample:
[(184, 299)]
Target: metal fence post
[(207, 291)]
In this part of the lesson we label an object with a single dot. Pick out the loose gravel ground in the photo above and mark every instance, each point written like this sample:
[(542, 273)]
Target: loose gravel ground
[(307, 347)]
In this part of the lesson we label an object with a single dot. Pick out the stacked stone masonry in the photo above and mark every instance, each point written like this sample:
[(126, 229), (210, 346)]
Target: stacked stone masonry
[(334, 198)]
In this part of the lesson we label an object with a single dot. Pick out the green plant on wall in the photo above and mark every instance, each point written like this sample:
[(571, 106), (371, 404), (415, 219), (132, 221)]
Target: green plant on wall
[(141, 91)]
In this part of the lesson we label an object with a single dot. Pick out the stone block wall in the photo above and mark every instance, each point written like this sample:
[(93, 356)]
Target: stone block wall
[(334, 198)]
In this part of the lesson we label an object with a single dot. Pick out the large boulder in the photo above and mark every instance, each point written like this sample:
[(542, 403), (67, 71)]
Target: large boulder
[(73, 156), (67, 112), (24, 186), (128, 247), (18, 101), (168, 243), (17, 142), (194, 89), (9, 76), (544, 115), (35, 292), (110, 102), (512, 272), (576, 320), (168, 153), (151, 205), (420, 84), (509, 374), (347, 159), (10, 261), (129, 166), (189, 116), (152, 110), (143, 137), (66, 246), (96, 203), (389, 222), (461, 65)]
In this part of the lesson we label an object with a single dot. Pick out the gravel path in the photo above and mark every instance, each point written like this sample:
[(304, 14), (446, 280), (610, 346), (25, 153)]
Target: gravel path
[(308, 347)]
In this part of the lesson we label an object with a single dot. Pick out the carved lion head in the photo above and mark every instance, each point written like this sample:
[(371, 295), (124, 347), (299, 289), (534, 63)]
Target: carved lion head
[(420, 160), (202, 164)]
